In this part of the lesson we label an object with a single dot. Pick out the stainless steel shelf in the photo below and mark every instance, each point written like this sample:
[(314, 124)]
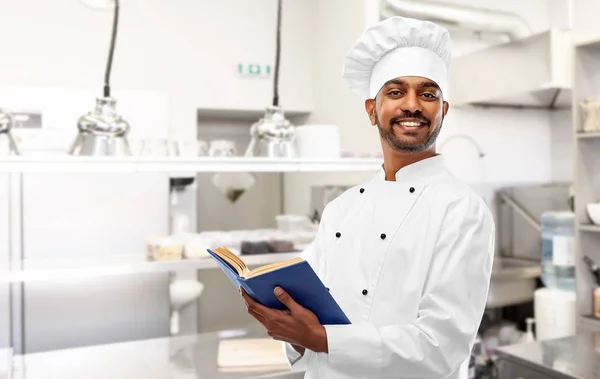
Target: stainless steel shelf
[(590, 322), (588, 135), (44, 270), (66, 163), (589, 228)]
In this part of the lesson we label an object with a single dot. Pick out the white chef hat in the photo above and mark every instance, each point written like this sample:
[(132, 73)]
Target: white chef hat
[(397, 46)]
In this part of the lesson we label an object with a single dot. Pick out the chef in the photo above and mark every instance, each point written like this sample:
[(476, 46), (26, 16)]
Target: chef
[(408, 254)]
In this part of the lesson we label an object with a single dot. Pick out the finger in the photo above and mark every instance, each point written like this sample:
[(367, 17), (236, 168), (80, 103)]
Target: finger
[(256, 307), (287, 300), (260, 318)]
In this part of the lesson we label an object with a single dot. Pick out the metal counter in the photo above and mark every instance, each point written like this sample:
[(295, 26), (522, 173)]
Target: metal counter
[(183, 357), (576, 357)]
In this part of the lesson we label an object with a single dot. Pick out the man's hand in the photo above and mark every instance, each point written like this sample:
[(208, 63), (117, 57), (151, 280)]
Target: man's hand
[(297, 326)]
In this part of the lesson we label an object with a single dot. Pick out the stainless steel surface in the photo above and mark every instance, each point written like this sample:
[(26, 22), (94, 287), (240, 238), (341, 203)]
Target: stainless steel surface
[(78, 311), (507, 268), (575, 357), (102, 132), (192, 356), (517, 227), (518, 254), (462, 16), (7, 142), (535, 224), (272, 136), (513, 282)]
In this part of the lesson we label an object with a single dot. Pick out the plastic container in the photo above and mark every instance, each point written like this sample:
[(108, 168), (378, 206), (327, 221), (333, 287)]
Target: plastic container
[(558, 250)]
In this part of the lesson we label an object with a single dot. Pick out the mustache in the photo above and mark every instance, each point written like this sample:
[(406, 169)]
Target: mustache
[(408, 114)]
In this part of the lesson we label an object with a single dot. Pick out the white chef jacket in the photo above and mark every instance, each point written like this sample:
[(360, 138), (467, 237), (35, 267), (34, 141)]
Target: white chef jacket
[(409, 262)]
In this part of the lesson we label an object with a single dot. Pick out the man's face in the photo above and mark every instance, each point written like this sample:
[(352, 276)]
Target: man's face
[(408, 112)]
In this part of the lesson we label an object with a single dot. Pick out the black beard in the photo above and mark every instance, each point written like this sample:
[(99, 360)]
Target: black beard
[(390, 137)]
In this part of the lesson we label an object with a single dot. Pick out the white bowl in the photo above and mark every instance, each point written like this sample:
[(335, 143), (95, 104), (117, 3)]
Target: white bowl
[(593, 211)]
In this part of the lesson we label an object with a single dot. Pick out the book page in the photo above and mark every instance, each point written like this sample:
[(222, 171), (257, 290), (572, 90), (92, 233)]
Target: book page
[(271, 267), (238, 265)]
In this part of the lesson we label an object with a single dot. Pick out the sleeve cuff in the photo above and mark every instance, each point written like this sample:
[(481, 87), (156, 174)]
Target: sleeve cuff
[(354, 348), (296, 361)]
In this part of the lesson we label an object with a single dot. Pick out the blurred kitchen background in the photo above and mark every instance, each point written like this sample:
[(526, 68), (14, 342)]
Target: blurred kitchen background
[(104, 258)]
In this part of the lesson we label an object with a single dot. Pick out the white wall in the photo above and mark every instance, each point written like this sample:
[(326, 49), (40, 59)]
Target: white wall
[(187, 48), (561, 146), (520, 145)]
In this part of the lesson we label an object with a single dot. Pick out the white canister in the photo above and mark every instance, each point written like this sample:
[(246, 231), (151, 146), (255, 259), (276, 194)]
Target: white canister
[(555, 313), (318, 141)]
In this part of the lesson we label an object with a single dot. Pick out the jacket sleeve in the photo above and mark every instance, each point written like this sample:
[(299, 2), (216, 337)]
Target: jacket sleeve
[(450, 310), (313, 255)]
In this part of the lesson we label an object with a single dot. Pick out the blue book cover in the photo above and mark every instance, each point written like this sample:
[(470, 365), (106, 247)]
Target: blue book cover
[(297, 278)]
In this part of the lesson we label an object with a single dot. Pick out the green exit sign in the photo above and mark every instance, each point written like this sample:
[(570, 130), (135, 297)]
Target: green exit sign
[(254, 69)]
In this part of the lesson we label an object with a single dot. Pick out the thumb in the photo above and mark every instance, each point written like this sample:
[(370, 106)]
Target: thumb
[(286, 299)]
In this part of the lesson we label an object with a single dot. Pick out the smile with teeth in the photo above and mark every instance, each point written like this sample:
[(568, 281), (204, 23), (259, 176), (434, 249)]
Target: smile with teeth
[(410, 123)]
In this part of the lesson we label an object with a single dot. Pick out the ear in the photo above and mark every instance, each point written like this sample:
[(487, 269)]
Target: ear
[(370, 108), (445, 108)]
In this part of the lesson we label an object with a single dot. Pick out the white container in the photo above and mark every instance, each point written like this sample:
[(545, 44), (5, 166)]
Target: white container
[(318, 141), (591, 109), (593, 211), (555, 313)]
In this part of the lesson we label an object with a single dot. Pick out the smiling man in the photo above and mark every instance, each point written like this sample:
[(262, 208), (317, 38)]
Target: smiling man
[(408, 254)]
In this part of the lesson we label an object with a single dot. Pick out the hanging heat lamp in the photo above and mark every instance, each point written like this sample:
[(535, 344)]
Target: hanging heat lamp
[(102, 131), (7, 142), (273, 135)]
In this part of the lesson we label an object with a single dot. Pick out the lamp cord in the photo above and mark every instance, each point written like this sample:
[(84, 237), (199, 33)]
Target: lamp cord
[(277, 57), (112, 50)]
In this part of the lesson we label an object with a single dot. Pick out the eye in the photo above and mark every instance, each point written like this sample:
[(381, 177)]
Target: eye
[(429, 96), (394, 92)]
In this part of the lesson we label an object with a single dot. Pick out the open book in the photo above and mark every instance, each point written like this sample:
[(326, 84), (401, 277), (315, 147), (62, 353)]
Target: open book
[(243, 271), (295, 276)]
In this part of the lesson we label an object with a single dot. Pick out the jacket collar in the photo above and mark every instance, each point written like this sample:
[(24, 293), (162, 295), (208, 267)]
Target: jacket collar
[(422, 171)]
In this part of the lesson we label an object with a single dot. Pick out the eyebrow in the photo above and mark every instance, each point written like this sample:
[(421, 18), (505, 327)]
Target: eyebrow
[(425, 84)]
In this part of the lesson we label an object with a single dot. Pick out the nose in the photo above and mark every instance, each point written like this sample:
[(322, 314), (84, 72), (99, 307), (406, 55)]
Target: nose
[(411, 102)]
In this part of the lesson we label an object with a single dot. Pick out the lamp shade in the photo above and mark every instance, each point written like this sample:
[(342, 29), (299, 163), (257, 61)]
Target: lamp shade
[(102, 131), (272, 136), (7, 142)]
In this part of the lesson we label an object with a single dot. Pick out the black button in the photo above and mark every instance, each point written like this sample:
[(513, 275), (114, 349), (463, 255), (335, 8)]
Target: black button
[(412, 189), (338, 234), (327, 288), (382, 236), (365, 292), (362, 190)]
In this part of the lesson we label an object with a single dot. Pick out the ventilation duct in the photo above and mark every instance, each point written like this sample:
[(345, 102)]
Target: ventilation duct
[(466, 17)]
